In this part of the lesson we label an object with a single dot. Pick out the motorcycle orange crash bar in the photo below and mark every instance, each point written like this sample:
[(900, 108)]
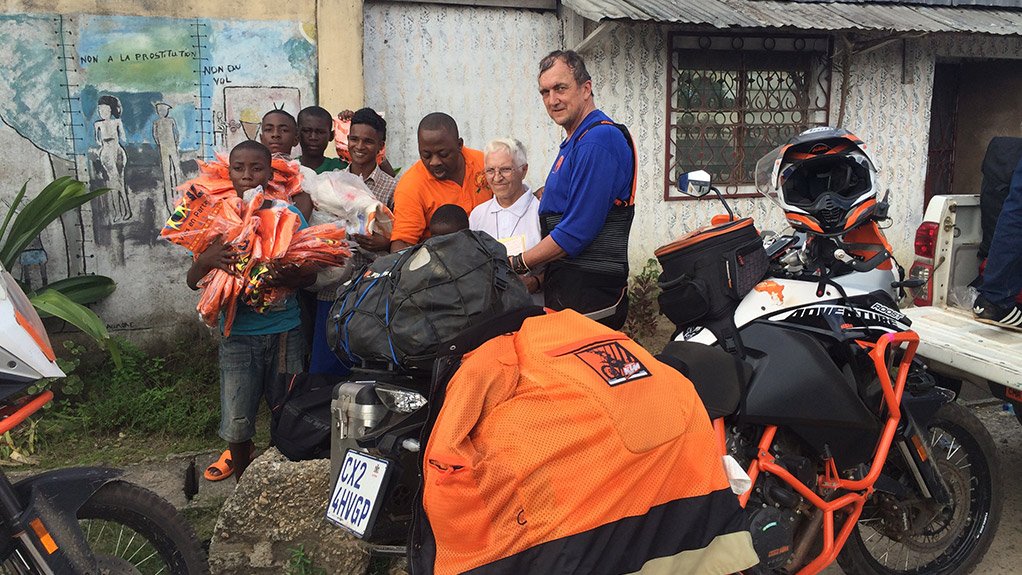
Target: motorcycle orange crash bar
[(830, 479), (11, 421)]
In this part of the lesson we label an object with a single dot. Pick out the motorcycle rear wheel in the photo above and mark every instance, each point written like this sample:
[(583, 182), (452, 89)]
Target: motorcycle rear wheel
[(954, 540), (134, 531)]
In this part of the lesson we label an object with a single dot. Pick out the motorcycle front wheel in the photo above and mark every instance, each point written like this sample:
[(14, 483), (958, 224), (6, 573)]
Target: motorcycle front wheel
[(913, 535), (133, 531)]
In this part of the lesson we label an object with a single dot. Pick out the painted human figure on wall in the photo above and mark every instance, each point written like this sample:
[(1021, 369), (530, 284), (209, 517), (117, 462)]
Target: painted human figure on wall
[(167, 139), (112, 157)]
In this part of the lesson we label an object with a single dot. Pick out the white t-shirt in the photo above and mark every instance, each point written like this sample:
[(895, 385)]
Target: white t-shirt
[(516, 226)]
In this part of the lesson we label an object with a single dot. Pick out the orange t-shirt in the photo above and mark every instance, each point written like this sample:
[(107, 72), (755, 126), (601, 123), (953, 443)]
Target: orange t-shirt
[(419, 194)]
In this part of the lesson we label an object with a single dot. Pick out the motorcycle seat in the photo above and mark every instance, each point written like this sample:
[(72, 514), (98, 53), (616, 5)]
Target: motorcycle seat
[(719, 378)]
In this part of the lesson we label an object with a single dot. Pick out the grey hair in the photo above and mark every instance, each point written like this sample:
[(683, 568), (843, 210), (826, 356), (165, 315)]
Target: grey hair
[(571, 59), (511, 146)]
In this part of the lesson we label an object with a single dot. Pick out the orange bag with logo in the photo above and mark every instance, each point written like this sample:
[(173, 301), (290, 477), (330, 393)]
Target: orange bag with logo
[(565, 446)]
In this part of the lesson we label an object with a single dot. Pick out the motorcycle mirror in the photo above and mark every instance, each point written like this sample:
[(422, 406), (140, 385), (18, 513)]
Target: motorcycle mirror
[(883, 206), (695, 184)]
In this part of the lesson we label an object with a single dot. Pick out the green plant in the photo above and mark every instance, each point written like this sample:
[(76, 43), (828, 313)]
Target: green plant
[(301, 564), (71, 385), (643, 308), (175, 395), (65, 299), (18, 446)]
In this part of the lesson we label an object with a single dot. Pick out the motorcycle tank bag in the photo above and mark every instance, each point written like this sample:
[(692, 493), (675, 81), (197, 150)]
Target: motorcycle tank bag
[(565, 447), (708, 271), (405, 304)]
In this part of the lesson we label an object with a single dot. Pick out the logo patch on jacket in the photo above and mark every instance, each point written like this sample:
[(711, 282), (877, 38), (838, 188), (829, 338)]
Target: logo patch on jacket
[(614, 363)]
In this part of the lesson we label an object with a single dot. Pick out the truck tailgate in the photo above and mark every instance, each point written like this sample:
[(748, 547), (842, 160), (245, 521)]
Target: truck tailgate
[(951, 337)]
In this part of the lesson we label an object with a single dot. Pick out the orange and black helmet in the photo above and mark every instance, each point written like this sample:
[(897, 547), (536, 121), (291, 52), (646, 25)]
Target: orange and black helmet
[(823, 179)]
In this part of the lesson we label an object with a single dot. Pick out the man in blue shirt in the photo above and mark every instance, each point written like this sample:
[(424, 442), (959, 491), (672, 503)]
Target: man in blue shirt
[(588, 200)]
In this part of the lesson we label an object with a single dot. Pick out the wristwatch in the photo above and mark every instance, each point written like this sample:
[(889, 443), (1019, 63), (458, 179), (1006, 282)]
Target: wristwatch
[(518, 264)]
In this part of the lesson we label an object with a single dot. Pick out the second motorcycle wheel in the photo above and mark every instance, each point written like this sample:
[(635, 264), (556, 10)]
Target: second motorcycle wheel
[(913, 534)]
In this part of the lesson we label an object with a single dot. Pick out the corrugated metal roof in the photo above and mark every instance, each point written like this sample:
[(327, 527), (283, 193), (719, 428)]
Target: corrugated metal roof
[(806, 16)]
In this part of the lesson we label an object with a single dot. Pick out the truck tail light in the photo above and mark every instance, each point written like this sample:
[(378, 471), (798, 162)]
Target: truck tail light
[(926, 240), (922, 295)]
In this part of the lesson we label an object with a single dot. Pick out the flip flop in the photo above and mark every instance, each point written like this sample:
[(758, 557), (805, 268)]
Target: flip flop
[(221, 468)]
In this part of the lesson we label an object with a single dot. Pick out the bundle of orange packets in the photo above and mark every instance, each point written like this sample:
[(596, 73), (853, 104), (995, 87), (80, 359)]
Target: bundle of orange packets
[(215, 179), (266, 239)]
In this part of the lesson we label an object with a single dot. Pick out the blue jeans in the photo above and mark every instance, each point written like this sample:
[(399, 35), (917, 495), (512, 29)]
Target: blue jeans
[(322, 359), (250, 369), (1002, 278)]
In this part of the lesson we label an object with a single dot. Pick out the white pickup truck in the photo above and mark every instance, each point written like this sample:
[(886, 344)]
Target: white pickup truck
[(955, 346)]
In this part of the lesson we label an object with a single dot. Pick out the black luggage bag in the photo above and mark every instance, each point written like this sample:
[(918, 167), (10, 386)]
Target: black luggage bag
[(707, 272)]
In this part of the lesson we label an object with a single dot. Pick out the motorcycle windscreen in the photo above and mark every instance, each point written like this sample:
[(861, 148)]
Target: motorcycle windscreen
[(26, 349), (767, 169)]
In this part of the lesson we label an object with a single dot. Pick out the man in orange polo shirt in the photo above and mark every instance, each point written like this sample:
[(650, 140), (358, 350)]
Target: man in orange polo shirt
[(447, 173)]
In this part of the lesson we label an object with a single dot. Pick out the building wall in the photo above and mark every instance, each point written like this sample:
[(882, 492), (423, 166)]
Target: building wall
[(477, 64), (889, 114), (189, 79), (487, 82), (894, 117)]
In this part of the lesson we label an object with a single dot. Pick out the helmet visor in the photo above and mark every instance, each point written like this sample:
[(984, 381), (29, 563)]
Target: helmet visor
[(846, 176), (767, 169)]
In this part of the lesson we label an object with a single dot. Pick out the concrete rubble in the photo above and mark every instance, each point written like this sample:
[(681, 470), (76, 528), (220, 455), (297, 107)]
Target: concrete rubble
[(278, 507)]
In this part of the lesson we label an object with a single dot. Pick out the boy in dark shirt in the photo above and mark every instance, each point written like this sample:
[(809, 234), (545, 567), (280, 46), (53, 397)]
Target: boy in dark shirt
[(278, 131)]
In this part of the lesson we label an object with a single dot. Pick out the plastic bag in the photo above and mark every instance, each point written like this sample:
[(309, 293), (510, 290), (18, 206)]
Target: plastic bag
[(276, 226), (962, 297), (214, 178), (266, 240), (342, 197), (221, 289), (198, 218), (317, 247)]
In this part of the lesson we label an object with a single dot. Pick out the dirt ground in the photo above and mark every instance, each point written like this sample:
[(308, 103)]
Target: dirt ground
[(1005, 555), (1003, 558)]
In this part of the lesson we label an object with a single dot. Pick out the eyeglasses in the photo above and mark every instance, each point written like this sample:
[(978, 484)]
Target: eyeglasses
[(504, 172)]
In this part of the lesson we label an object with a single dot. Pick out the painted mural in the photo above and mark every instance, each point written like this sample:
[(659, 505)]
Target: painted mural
[(130, 103)]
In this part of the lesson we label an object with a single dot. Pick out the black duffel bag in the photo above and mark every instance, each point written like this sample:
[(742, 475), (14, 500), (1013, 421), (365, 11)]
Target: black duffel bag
[(404, 305), (300, 418)]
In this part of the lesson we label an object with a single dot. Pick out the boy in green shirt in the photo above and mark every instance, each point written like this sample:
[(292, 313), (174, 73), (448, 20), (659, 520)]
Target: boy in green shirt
[(315, 132)]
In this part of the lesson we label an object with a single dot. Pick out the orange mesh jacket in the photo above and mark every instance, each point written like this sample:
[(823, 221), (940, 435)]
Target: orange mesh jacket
[(567, 448)]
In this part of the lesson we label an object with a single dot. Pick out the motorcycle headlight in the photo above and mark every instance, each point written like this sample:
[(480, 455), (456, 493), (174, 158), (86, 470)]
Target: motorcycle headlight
[(400, 400)]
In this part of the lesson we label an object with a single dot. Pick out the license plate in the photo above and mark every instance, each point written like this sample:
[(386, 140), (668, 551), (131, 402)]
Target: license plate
[(355, 503)]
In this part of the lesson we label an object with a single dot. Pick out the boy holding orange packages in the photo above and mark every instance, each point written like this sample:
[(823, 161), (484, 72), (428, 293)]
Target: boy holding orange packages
[(258, 345)]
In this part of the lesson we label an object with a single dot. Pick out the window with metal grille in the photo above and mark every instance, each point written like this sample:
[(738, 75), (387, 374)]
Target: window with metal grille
[(732, 99)]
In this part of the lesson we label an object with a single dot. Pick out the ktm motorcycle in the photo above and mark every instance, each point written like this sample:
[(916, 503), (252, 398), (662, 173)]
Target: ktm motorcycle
[(842, 448), (852, 452), (80, 520)]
